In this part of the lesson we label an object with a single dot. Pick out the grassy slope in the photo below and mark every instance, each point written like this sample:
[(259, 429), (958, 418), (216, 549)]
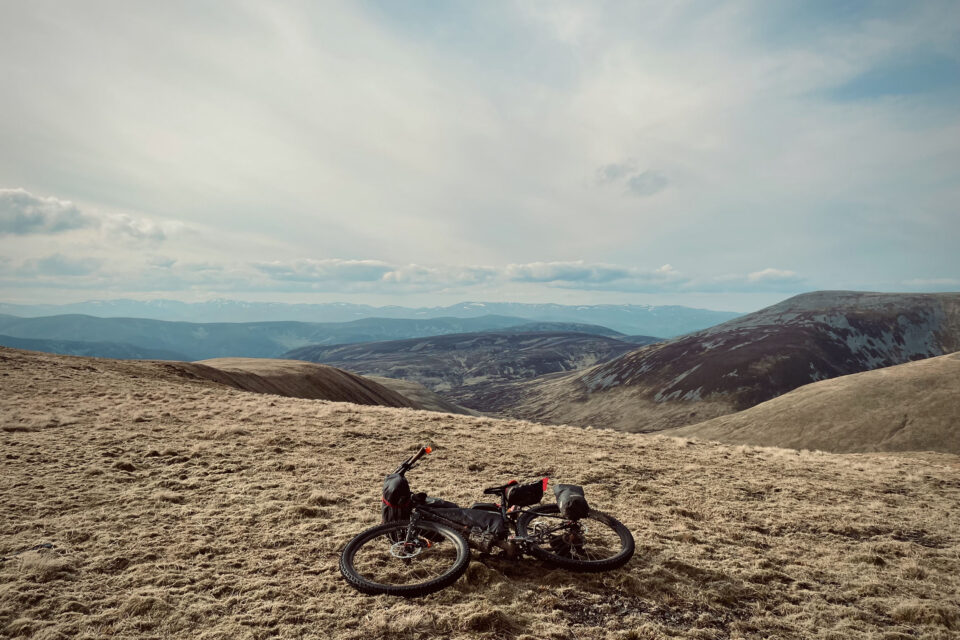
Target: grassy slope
[(909, 407), (181, 509)]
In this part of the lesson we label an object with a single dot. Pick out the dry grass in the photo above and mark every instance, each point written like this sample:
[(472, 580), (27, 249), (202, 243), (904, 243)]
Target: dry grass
[(180, 509), (909, 407)]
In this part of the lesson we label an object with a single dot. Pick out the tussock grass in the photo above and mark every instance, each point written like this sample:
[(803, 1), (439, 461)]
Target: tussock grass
[(237, 536)]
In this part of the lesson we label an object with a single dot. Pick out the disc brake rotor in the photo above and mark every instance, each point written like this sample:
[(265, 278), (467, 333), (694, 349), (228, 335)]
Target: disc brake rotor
[(404, 550)]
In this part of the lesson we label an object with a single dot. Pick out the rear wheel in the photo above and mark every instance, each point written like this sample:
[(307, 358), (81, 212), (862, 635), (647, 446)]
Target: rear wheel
[(598, 542), (381, 560)]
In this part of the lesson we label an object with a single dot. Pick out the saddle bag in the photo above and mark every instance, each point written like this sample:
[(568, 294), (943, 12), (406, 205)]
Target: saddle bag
[(573, 505), (525, 495)]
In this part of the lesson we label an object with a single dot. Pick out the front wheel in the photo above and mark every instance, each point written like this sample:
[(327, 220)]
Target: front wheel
[(597, 542), (381, 560)]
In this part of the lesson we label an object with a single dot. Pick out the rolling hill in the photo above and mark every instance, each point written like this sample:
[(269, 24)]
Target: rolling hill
[(199, 341), (116, 350), (174, 507), (743, 362), (452, 364), (907, 407), (297, 379)]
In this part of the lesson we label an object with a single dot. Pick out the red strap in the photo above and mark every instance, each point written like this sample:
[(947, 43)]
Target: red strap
[(545, 483)]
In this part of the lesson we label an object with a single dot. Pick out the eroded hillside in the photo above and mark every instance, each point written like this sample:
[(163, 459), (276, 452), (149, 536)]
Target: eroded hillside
[(179, 508)]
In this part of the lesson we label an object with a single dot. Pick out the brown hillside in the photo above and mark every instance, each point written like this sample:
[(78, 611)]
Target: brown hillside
[(743, 362), (296, 379), (179, 508), (909, 407)]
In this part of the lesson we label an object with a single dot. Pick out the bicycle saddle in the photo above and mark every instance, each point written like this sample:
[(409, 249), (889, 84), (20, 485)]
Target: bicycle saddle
[(498, 491)]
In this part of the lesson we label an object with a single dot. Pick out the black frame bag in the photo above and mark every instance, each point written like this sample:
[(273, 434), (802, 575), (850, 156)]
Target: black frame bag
[(573, 504)]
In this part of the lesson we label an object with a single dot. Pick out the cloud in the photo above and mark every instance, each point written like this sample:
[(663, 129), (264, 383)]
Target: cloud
[(449, 276), (578, 271), (328, 270), (160, 273), (136, 229), (910, 75), (615, 172), (934, 284), (646, 183), (162, 262), (22, 213), (770, 275), (638, 183), (59, 265), (384, 277)]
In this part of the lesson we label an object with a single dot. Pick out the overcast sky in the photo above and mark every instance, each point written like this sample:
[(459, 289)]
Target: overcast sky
[(713, 154)]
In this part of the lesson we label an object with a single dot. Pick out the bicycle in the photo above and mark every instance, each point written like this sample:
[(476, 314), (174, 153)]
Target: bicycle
[(424, 543)]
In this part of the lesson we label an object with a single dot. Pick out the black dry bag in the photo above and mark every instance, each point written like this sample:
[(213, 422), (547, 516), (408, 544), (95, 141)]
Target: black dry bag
[(573, 505), (524, 495)]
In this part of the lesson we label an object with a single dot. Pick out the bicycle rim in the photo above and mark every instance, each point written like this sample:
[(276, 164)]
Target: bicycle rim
[(380, 560), (597, 542)]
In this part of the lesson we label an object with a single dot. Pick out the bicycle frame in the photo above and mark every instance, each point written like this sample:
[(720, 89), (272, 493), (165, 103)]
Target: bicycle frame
[(425, 512)]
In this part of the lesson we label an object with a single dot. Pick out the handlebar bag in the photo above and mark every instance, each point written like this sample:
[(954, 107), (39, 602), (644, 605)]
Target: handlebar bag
[(573, 504), (396, 498), (524, 495)]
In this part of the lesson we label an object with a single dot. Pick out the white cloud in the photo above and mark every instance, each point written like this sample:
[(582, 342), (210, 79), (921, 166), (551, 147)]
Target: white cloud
[(772, 275), (448, 276), (128, 227), (22, 212)]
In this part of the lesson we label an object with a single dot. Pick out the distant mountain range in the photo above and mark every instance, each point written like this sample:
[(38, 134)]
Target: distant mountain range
[(743, 362), (455, 364), (145, 338), (647, 320)]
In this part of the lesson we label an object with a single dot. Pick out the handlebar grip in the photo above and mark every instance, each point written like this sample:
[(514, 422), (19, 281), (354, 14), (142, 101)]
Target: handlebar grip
[(423, 451)]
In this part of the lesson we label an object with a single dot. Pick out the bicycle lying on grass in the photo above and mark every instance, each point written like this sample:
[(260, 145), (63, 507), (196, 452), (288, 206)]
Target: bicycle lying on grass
[(423, 544)]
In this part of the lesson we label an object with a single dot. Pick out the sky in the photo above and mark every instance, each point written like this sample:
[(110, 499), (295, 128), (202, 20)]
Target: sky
[(714, 154)]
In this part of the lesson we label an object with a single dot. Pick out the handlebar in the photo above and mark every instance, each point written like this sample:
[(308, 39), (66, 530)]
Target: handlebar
[(408, 464)]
